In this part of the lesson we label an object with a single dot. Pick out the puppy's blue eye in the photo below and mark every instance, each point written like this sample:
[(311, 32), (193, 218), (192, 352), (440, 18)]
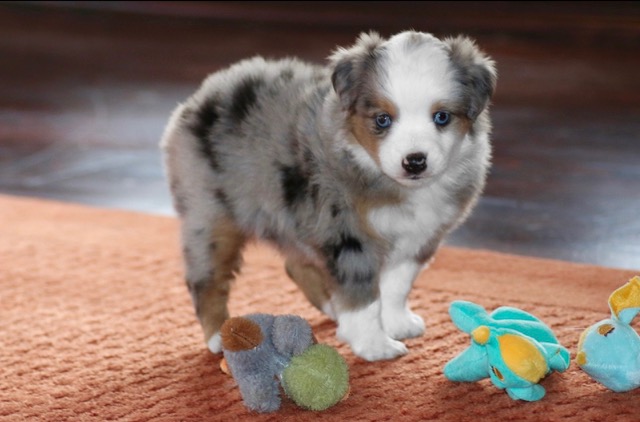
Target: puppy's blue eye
[(383, 121), (441, 118)]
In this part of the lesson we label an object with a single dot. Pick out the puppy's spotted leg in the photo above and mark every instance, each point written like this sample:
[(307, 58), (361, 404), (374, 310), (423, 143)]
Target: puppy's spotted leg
[(212, 256), (211, 241), (313, 283), (354, 265), (395, 284)]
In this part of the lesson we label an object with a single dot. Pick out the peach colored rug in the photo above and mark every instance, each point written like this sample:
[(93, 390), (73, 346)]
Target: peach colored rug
[(97, 325)]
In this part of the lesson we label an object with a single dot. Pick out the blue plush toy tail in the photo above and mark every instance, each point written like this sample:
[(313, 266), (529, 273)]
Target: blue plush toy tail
[(558, 356)]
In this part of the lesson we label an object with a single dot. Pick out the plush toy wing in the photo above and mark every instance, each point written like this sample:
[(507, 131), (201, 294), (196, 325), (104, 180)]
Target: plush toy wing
[(467, 316), (507, 312), (524, 323), (469, 366)]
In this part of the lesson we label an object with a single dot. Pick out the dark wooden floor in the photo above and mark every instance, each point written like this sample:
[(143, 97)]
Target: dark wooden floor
[(86, 88)]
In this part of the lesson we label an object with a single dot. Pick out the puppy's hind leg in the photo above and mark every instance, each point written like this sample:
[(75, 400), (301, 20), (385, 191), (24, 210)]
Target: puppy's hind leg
[(313, 283), (213, 257), (211, 242)]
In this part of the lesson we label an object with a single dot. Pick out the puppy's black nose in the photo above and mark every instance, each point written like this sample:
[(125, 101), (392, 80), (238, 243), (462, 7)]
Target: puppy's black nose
[(415, 163)]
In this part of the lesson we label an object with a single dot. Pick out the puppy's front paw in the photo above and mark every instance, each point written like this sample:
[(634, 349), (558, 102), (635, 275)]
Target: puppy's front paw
[(382, 349), (362, 329), (215, 343), (373, 347), (403, 325)]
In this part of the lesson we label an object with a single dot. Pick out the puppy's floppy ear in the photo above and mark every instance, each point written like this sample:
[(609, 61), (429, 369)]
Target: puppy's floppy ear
[(351, 67), (476, 74)]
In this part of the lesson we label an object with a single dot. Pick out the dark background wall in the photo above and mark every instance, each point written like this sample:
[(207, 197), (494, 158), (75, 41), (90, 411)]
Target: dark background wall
[(86, 88)]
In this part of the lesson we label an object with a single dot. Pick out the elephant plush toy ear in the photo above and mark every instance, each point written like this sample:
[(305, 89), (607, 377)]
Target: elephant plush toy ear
[(609, 351)]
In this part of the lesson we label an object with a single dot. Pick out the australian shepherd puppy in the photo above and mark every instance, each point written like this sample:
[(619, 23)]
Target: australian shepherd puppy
[(356, 171)]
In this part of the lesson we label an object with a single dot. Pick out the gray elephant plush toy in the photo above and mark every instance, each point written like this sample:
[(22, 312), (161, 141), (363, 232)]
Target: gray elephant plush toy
[(262, 351)]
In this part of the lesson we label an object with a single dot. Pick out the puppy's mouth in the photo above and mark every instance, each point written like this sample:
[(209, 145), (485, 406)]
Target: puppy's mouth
[(412, 180)]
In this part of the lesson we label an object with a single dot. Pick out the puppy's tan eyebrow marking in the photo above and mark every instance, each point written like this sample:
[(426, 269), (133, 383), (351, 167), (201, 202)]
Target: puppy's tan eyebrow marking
[(450, 106), (388, 106), (460, 122), (376, 105)]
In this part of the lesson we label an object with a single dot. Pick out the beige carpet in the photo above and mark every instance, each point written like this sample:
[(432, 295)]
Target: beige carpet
[(96, 324)]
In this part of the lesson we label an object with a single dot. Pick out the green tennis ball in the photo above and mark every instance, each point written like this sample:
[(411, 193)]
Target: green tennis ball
[(316, 379)]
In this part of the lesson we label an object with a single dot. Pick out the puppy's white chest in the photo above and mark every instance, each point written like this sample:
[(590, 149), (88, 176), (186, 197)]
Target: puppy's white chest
[(411, 225)]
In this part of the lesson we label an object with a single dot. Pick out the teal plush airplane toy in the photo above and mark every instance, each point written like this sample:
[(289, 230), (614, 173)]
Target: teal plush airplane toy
[(510, 346)]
